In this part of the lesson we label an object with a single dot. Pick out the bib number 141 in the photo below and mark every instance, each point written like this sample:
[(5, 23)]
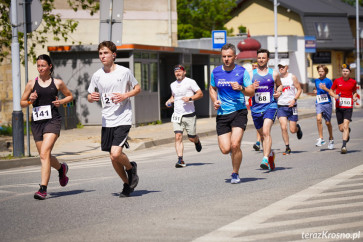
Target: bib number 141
[(42, 112)]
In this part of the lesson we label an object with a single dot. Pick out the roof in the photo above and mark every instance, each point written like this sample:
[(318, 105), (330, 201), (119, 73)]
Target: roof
[(331, 13)]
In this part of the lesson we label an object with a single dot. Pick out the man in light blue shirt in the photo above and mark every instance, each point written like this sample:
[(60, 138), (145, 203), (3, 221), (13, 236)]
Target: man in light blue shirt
[(229, 85)]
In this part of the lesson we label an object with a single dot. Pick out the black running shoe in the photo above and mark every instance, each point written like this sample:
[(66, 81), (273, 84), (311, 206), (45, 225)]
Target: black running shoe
[(198, 146), (126, 145), (126, 191), (299, 132), (256, 147), (287, 151), (180, 163), (132, 175)]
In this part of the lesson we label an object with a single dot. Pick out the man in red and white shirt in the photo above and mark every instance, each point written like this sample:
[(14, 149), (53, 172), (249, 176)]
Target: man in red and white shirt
[(344, 90)]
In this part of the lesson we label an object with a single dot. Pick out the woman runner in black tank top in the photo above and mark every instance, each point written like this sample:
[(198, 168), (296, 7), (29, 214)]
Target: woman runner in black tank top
[(46, 95), (42, 93)]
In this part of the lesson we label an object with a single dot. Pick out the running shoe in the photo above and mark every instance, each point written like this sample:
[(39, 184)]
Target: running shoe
[(132, 175), (235, 178), (320, 142), (299, 132), (271, 160), (287, 151), (40, 194), (256, 146), (180, 163), (198, 146), (126, 145), (265, 164), (331, 145), (343, 150), (63, 178), (126, 191)]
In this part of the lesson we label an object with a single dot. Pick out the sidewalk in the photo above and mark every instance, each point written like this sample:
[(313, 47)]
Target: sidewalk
[(84, 143)]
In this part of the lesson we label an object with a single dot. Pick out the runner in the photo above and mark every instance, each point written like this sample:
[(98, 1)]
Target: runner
[(257, 145), (42, 93), (324, 107), (114, 85), (184, 92), (287, 104), (229, 84), (264, 105), (344, 90)]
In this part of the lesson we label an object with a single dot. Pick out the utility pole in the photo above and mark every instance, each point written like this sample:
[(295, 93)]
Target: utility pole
[(358, 41), (17, 115), (276, 45)]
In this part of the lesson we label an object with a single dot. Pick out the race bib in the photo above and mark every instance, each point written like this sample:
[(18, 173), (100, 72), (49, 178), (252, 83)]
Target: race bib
[(294, 111), (106, 100), (322, 98), (42, 112), (176, 118), (262, 97), (345, 102)]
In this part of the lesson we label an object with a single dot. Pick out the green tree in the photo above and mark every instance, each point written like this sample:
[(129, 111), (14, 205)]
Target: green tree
[(51, 23), (197, 18), (352, 2)]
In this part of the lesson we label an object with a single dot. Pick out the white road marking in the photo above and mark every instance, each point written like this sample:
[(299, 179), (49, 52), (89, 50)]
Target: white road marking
[(253, 221)]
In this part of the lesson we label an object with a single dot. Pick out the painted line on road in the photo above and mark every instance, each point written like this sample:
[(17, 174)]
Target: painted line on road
[(253, 221)]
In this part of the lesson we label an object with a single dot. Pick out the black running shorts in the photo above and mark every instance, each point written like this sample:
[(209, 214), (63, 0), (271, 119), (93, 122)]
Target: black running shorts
[(114, 136), (235, 119), (39, 128), (344, 113)]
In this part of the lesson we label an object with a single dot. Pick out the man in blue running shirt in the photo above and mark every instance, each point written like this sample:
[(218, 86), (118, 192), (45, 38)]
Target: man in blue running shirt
[(264, 104), (229, 85)]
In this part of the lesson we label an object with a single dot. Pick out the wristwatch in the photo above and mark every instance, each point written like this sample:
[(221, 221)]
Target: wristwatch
[(243, 88), (190, 99)]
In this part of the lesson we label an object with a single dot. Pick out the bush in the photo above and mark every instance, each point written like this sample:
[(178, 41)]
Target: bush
[(6, 130)]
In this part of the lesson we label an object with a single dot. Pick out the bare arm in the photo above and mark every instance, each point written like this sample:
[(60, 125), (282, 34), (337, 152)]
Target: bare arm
[(299, 90), (279, 86), (28, 98), (65, 91), (119, 97), (197, 95), (214, 97)]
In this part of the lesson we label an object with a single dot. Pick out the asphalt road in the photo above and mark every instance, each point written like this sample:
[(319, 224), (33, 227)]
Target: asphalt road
[(312, 191)]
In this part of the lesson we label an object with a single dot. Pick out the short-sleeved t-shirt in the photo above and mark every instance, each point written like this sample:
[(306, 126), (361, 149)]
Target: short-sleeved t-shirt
[(345, 90), (323, 96), (185, 88), (231, 100), (121, 80), (263, 98)]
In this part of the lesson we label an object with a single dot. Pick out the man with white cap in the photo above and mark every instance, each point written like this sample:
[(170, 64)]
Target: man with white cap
[(287, 104)]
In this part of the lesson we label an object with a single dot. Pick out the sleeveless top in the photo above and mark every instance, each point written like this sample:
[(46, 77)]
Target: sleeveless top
[(263, 98), (288, 91), (46, 95)]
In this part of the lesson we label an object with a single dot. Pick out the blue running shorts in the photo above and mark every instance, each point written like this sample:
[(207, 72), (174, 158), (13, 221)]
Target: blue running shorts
[(326, 109), (258, 118), (289, 112)]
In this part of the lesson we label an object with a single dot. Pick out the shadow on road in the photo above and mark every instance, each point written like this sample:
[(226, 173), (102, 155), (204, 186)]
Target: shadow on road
[(68, 193), (244, 180), (137, 193)]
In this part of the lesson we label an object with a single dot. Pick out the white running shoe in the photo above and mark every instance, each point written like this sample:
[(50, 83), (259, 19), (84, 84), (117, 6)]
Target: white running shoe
[(331, 145), (320, 142)]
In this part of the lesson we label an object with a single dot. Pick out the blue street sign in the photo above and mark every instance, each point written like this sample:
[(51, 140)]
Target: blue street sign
[(219, 38), (310, 44)]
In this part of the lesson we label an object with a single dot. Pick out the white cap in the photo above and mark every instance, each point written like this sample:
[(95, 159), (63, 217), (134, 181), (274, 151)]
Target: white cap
[(283, 63)]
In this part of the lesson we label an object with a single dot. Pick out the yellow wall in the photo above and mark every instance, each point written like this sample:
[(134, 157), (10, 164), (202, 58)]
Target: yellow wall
[(258, 17), (6, 94)]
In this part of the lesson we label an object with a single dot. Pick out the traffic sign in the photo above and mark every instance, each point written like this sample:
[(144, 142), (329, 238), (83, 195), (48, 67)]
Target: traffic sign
[(34, 15), (219, 38)]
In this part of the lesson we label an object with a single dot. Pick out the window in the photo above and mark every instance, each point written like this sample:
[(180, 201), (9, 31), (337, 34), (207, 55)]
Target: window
[(146, 70), (322, 31)]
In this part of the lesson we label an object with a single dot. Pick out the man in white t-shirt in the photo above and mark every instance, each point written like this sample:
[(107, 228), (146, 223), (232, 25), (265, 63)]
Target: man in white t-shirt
[(287, 104), (184, 92), (114, 85)]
